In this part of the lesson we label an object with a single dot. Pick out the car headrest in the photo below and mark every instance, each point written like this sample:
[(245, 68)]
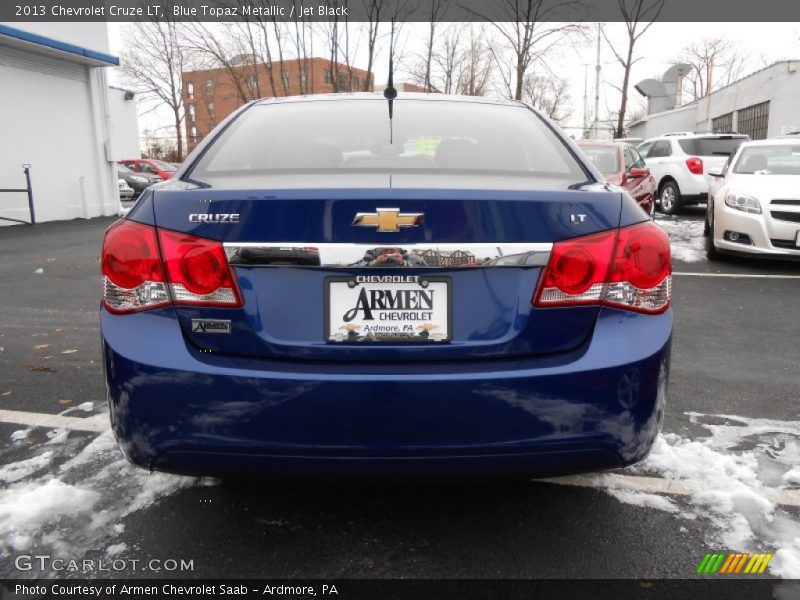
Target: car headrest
[(755, 162), (307, 156), (459, 154), (606, 163)]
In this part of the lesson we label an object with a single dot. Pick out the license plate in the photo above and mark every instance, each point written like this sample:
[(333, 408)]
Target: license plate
[(388, 308)]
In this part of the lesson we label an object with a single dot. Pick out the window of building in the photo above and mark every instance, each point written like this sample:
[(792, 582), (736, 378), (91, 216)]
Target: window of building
[(285, 78), (354, 83), (303, 75), (341, 81), (193, 134), (192, 116), (327, 76), (190, 90), (252, 82), (722, 124), (209, 86), (210, 108), (754, 120)]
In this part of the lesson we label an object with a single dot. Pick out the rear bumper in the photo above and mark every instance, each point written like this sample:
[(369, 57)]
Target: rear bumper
[(176, 409)]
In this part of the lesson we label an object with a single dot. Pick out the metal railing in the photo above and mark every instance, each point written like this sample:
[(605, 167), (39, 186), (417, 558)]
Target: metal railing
[(29, 191)]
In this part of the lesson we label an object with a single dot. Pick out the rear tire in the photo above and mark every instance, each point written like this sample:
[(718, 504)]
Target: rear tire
[(669, 198)]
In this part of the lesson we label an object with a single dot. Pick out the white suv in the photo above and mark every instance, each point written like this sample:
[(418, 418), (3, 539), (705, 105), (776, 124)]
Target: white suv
[(680, 163)]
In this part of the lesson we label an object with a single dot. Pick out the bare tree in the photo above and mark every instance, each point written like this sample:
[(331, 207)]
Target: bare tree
[(461, 62), (437, 9), (439, 66), (228, 47), (549, 94), (638, 16), (477, 66), (152, 65), (374, 10), (714, 63), (525, 28)]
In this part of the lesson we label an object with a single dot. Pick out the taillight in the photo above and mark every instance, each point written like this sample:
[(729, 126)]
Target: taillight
[(133, 279), (695, 165), (186, 270), (629, 269), (197, 270), (577, 271)]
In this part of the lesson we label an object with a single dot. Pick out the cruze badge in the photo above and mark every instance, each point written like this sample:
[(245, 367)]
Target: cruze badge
[(388, 220), (214, 218)]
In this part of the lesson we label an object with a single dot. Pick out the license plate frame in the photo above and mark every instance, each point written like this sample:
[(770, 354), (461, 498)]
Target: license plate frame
[(435, 338)]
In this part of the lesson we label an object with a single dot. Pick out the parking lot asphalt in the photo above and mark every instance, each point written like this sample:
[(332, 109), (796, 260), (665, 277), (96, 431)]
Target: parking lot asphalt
[(734, 371)]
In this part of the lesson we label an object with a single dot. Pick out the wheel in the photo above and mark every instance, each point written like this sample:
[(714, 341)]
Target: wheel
[(669, 198), (711, 249)]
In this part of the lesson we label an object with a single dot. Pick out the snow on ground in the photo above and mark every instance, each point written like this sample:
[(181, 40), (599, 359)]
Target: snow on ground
[(685, 236), (733, 478), (76, 505)]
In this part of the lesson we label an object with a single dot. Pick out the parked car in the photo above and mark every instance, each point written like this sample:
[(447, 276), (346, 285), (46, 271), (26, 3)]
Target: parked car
[(125, 191), (680, 163), (622, 165), (224, 357), (150, 167), (756, 209), (138, 183)]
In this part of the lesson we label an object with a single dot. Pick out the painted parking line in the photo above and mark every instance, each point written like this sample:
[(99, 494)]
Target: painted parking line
[(654, 485), (32, 419), (733, 275)]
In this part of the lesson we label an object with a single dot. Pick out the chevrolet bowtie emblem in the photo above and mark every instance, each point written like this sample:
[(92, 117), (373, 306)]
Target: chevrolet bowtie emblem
[(388, 220)]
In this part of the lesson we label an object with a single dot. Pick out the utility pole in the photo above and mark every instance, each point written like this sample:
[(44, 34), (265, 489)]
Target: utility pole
[(595, 125), (709, 86), (585, 99)]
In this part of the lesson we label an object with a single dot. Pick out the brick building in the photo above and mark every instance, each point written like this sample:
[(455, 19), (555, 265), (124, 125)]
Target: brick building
[(210, 95)]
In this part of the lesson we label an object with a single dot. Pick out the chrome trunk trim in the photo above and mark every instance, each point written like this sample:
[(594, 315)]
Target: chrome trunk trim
[(423, 256)]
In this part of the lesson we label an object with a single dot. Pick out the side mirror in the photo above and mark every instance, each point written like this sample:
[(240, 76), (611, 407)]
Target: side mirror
[(637, 173), (716, 174)]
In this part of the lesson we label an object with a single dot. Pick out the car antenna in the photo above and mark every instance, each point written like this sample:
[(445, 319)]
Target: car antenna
[(390, 93)]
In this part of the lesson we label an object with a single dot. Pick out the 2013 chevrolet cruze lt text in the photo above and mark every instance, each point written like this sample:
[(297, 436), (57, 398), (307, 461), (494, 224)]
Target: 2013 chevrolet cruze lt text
[(331, 287)]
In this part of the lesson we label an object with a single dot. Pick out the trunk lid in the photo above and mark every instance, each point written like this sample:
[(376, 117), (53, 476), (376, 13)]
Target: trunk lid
[(490, 312)]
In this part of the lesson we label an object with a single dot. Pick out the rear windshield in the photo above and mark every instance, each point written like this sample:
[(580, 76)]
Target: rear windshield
[(605, 158), (356, 135), (722, 146), (769, 160)]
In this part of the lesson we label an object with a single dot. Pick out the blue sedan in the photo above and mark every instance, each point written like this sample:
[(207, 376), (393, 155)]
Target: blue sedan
[(330, 289)]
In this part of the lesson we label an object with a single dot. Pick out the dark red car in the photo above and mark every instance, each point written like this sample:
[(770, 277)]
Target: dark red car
[(150, 166), (622, 165)]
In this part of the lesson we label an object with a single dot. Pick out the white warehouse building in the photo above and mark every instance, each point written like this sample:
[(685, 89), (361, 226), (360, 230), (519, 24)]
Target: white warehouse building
[(763, 104), (58, 115)]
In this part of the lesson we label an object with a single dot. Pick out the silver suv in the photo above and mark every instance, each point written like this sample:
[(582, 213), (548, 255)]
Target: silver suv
[(680, 163)]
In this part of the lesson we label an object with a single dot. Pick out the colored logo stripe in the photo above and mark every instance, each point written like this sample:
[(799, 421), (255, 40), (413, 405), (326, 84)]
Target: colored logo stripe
[(734, 562)]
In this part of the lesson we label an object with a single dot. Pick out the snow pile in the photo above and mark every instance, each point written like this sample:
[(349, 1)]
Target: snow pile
[(74, 508), (24, 468), (29, 505), (733, 479), (685, 236)]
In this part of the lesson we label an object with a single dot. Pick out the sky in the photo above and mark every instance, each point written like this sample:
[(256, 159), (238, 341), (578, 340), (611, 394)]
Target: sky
[(762, 43)]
